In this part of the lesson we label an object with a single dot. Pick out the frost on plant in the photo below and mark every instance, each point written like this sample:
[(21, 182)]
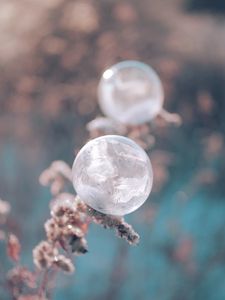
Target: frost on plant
[(112, 176)]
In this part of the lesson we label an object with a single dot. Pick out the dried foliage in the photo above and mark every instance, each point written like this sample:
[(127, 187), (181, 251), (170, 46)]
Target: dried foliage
[(13, 248), (65, 237), (122, 229), (70, 217), (20, 278), (56, 176)]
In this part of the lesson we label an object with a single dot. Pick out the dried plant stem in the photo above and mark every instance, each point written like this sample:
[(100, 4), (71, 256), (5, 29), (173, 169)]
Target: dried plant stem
[(42, 291), (123, 229)]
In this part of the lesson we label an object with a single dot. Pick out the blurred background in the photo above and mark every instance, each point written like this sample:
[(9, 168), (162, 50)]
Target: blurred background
[(52, 54)]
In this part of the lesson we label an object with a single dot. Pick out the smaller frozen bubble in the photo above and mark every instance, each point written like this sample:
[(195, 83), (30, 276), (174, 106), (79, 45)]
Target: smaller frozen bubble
[(112, 174), (130, 92)]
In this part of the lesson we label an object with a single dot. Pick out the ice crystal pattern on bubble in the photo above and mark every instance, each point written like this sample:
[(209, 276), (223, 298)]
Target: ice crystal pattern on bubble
[(113, 175)]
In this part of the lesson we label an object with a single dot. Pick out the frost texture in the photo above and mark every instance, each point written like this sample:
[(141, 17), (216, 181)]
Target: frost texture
[(112, 174)]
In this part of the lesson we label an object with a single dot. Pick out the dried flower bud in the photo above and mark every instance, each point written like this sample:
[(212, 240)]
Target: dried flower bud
[(78, 245), (52, 230), (123, 229), (13, 248), (64, 264), (44, 254), (47, 176), (62, 168), (170, 117), (57, 186), (4, 210), (18, 278), (56, 176), (63, 204), (56, 168), (72, 230), (69, 219)]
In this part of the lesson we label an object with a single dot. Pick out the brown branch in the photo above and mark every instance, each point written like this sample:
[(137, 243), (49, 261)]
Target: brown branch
[(122, 229)]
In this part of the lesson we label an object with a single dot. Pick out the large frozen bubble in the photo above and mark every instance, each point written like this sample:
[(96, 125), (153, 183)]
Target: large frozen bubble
[(113, 175)]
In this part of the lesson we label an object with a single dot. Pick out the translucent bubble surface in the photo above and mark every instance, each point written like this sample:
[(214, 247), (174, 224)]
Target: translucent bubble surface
[(130, 92), (112, 174)]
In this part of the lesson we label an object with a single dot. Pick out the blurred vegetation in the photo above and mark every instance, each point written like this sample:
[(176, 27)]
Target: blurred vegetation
[(52, 54), (216, 6)]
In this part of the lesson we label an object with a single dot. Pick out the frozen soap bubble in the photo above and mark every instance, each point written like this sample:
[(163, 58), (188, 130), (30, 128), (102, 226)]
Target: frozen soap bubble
[(130, 92), (112, 174)]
